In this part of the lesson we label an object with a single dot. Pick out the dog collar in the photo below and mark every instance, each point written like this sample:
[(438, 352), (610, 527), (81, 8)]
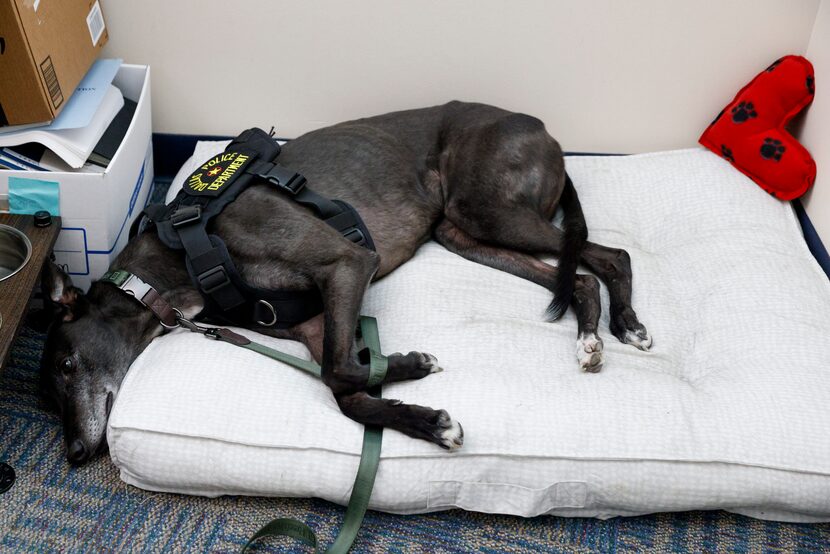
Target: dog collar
[(167, 315)]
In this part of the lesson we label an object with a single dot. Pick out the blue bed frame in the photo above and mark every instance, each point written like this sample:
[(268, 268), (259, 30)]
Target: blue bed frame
[(811, 236)]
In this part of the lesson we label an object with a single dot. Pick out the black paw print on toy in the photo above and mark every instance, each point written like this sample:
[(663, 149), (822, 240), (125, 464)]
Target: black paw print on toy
[(773, 65), (772, 149), (727, 153), (743, 112), (811, 84)]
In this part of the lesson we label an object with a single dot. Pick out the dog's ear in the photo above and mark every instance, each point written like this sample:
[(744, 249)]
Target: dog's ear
[(60, 297)]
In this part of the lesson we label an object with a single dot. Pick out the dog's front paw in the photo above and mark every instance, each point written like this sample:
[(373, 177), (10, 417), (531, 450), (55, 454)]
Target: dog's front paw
[(449, 433), (415, 365), (429, 363)]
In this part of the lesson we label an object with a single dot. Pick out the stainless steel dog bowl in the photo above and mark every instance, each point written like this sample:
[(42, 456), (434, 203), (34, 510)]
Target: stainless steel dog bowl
[(15, 251)]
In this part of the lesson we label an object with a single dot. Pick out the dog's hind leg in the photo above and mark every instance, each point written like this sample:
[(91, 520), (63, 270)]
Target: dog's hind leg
[(586, 303), (613, 266), (342, 286), (528, 232), (585, 299)]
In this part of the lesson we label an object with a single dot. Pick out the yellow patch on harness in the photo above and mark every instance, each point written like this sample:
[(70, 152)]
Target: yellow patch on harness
[(217, 172)]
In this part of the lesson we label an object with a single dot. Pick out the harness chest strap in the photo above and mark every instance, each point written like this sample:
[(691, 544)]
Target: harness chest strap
[(372, 435)]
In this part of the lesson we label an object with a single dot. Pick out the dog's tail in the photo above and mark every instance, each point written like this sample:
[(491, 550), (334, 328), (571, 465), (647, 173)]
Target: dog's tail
[(576, 235)]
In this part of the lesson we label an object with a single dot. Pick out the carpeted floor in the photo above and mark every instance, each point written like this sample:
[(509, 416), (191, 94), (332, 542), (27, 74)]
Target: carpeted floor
[(55, 508)]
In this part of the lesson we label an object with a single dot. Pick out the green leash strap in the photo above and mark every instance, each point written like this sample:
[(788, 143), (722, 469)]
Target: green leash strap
[(369, 457), (171, 318), (306, 365)]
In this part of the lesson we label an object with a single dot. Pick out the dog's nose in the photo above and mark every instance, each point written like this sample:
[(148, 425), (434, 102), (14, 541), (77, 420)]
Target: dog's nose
[(77, 453)]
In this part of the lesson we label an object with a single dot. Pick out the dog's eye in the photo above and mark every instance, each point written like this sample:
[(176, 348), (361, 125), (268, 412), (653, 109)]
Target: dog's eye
[(66, 365)]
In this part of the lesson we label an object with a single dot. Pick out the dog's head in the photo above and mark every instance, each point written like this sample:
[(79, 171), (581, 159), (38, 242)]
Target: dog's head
[(91, 342)]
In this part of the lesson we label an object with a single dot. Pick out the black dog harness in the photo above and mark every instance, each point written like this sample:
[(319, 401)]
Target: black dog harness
[(183, 224)]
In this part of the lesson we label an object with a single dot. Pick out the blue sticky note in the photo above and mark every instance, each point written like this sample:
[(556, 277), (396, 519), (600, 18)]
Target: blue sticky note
[(27, 196)]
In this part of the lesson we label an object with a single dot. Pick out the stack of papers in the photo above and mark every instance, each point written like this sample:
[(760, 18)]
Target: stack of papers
[(74, 134)]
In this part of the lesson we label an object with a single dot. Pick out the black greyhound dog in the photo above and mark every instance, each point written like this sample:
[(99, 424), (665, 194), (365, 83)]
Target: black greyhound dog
[(483, 182)]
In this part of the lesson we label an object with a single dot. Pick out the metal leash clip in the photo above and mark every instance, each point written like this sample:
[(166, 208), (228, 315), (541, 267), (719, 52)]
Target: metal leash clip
[(214, 333), (191, 325)]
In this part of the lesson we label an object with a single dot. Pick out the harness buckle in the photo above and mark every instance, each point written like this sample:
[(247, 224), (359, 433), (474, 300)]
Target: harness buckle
[(213, 279), (185, 215), (356, 236), (285, 179)]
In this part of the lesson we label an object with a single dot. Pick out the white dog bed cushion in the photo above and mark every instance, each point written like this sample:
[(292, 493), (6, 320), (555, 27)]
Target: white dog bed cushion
[(730, 409)]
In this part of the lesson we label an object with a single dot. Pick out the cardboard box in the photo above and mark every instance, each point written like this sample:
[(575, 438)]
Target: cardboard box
[(46, 47), (98, 208)]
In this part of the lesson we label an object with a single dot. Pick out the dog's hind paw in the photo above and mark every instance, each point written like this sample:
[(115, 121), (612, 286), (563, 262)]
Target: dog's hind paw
[(589, 352), (628, 329), (638, 339), (450, 434)]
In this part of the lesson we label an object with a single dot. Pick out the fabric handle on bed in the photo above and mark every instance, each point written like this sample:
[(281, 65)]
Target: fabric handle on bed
[(369, 457)]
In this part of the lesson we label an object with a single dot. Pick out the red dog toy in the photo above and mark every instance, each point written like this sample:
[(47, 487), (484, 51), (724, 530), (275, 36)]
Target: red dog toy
[(750, 132)]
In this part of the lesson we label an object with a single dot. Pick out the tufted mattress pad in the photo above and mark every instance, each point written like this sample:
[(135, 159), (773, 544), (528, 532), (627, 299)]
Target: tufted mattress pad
[(730, 409)]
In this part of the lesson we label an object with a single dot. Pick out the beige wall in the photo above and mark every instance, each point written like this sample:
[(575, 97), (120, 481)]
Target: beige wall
[(816, 132), (605, 75)]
